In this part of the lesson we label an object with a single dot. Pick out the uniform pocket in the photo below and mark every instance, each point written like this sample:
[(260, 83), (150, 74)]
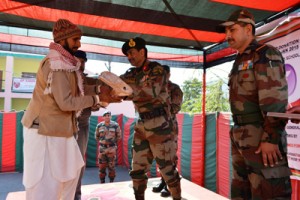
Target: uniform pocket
[(246, 82), (276, 172)]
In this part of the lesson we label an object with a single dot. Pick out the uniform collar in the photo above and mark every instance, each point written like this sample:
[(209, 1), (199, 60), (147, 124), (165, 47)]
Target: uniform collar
[(251, 47)]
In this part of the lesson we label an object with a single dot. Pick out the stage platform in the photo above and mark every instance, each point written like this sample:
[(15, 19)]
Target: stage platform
[(124, 191)]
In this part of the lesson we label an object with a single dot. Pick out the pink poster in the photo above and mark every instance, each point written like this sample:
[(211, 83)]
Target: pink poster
[(286, 38)]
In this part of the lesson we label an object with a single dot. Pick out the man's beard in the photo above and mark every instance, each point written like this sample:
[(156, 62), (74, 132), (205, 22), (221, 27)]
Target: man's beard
[(67, 47)]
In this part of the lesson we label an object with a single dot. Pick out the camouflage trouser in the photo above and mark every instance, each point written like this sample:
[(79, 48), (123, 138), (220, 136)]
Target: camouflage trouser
[(107, 157), (158, 145), (251, 179), (175, 123)]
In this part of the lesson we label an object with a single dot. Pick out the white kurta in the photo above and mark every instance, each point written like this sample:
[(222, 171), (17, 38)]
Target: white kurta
[(63, 153)]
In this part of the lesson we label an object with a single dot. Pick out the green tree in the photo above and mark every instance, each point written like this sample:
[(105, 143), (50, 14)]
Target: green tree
[(216, 100), (215, 97), (192, 93)]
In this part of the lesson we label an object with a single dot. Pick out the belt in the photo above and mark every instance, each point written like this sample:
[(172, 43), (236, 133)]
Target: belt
[(247, 118), (157, 112), (107, 145)]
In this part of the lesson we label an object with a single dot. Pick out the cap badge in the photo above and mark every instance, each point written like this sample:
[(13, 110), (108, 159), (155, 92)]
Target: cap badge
[(131, 43)]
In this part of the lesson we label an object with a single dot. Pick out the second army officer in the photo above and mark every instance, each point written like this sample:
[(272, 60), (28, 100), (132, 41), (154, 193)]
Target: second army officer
[(108, 133)]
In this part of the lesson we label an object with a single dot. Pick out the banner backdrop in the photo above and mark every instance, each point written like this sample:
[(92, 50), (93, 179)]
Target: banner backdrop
[(287, 41), (216, 157), (11, 142)]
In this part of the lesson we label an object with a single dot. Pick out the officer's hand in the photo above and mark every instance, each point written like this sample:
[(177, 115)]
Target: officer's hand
[(270, 153)]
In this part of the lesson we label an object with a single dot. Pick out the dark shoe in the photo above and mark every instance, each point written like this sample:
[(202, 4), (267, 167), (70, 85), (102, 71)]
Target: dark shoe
[(139, 197), (165, 192), (102, 180), (111, 180), (159, 187), (77, 197)]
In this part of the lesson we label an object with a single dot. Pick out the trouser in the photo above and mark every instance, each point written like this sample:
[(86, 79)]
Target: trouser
[(175, 128), (82, 140), (175, 124), (251, 179), (51, 166), (149, 145), (107, 157), (49, 188)]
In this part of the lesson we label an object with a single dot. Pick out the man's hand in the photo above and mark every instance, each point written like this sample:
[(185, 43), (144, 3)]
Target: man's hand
[(270, 153), (106, 96), (96, 107)]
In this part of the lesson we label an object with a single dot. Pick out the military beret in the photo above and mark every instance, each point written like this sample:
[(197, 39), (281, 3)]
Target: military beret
[(80, 54), (106, 112), (167, 68), (138, 43)]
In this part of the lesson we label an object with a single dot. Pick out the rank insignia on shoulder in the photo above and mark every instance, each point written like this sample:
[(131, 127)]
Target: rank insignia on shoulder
[(158, 70), (248, 64)]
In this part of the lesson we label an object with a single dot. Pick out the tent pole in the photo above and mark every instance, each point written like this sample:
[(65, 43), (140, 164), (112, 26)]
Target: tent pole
[(203, 123)]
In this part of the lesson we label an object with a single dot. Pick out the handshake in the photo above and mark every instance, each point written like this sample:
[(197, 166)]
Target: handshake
[(113, 89)]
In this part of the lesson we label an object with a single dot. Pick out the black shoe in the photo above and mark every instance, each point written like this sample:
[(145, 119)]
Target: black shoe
[(139, 197), (165, 192), (77, 197), (159, 187)]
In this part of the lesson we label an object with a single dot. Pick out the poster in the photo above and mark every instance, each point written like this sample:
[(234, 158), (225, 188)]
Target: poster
[(25, 85), (289, 46)]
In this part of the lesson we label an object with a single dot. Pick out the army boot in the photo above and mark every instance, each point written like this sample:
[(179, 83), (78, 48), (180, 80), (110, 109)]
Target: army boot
[(160, 186), (139, 197), (175, 189), (177, 198), (165, 192)]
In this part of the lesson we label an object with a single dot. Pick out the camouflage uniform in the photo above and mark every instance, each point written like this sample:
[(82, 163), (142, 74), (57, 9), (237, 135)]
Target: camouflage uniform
[(82, 141), (257, 86), (154, 133), (107, 137), (176, 102), (176, 99)]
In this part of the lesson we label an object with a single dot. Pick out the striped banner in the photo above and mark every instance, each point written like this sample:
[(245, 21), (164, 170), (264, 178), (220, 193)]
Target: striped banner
[(92, 148), (119, 120), (185, 146), (223, 156), (128, 130), (11, 142), (295, 189), (180, 118), (217, 158), (19, 142), (196, 155), (210, 152)]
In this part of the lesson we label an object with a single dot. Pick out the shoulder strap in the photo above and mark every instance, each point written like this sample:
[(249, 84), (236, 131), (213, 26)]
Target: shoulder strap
[(260, 48)]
